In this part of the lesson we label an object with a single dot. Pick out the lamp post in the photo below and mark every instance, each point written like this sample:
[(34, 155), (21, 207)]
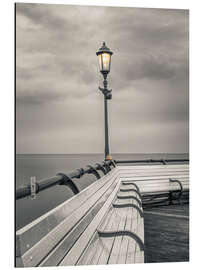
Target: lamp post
[(104, 55)]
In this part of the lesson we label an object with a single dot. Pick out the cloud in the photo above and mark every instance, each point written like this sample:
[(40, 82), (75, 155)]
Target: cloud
[(42, 14), (57, 68)]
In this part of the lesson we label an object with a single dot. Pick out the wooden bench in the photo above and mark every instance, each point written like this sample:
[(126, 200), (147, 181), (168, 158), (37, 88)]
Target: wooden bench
[(169, 182), (103, 224), (156, 178), (93, 227), (121, 234)]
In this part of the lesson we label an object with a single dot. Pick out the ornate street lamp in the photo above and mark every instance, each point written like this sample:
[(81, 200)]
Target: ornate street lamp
[(104, 54)]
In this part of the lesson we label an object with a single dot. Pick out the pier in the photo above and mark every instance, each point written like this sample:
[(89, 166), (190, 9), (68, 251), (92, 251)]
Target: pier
[(131, 204), (108, 222)]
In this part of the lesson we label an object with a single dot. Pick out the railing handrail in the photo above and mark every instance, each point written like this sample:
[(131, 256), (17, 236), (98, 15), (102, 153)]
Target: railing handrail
[(65, 179), (163, 161)]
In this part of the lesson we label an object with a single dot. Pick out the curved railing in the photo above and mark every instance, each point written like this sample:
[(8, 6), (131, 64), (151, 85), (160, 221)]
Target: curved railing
[(163, 161), (65, 179)]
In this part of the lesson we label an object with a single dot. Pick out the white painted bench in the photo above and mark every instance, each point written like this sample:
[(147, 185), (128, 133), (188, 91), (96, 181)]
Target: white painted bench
[(165, 184), (156, 178), (103, 224), (68, 234)]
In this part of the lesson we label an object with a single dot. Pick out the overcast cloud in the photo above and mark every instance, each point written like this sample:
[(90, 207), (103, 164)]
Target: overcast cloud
[(60, 110)]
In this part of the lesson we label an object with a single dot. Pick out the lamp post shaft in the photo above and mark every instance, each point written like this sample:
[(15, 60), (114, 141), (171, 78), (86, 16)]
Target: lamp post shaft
[(106, 127), (104, 54)]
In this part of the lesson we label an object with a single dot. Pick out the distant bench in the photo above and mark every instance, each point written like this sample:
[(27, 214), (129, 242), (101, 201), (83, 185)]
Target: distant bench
[(164, 180), (102, 224)]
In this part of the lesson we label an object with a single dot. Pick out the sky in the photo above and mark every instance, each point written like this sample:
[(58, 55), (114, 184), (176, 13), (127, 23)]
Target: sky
[(59, 108)]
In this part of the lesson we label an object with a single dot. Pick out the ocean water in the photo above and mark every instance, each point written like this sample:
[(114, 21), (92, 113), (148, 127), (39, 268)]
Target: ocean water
[(44, 166)]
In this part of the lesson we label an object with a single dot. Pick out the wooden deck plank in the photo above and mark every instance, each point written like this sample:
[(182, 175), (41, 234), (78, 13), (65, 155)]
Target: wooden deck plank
[(166, 215), (166, 238), (173, 209), (139, 255)]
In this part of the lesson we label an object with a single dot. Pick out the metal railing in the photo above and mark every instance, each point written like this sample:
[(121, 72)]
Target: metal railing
[(64, 179), (163, 161)]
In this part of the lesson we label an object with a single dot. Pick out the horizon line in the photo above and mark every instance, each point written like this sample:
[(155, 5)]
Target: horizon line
[(102, 153)]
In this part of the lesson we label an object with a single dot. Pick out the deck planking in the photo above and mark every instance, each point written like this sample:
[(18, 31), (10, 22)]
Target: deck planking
[(166, 237)]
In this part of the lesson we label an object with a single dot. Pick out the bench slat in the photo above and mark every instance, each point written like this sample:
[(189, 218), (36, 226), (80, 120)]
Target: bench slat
[(112, 244), (105, 225), (124, 242), (74, 254), (145, 167), (67, 235), (152, 178), (32, 233), (92, 247), (153, 174), (61, 250), (47, 243)]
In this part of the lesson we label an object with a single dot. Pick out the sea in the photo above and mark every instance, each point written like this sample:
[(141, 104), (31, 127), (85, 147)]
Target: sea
[(46, 165)]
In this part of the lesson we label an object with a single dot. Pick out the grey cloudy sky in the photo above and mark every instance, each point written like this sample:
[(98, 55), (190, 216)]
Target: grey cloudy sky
[(60, 110)]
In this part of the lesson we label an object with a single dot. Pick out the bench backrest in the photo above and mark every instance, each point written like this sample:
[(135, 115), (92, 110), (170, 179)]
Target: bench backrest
[(42, 241)]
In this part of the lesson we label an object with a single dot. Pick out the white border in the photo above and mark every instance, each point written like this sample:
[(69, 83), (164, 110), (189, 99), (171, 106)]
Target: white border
[(196, 130)]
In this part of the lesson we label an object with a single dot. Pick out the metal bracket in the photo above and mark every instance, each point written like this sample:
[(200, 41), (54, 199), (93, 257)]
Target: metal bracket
[(130, 197), (81, 172), (33, 187), (67, 181), (94, 171), (106, 92), (131, 189), (180, 192), (122, 233), (163, 161), (113, 163), (130, 183), (101, 168), (108, 168)]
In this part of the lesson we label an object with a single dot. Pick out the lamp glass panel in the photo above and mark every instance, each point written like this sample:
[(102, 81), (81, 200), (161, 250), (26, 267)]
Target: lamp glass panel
[(106, 58), (100, 62)]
